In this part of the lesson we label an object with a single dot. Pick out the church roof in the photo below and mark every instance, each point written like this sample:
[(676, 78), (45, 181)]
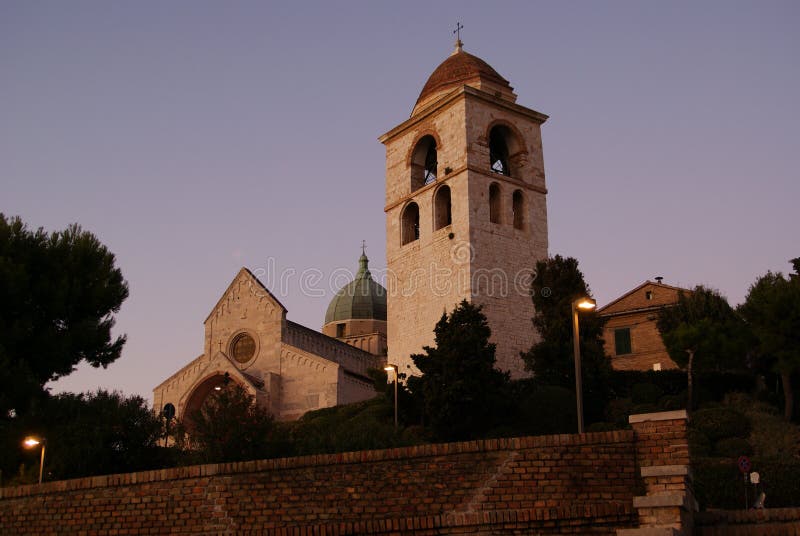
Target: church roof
[(362, 298), (459, 69)]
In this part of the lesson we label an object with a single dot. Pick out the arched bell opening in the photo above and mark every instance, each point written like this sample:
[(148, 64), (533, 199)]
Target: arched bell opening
[(424, 163), (506, 151)]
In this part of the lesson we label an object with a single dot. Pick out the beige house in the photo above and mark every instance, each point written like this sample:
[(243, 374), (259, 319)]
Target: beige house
[(632, 340)]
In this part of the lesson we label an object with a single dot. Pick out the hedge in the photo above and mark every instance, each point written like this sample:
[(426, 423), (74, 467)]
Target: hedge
[(720, 484)]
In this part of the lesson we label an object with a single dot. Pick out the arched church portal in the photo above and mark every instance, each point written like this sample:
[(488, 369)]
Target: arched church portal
[(212, 384)]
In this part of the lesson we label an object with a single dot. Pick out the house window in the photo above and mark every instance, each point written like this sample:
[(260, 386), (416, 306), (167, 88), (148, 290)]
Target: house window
[(340, 330), (648, 295), (622, 341)]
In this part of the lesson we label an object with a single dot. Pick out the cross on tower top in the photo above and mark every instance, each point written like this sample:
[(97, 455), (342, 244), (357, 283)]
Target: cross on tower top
[(363, 247), (457, 31)]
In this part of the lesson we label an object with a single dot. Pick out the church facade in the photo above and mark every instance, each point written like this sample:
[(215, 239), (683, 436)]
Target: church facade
[(466, 219), (288, 368)]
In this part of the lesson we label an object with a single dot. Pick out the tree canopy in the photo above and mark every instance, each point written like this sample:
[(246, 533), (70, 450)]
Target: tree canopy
[(703, 333), (772, 309), (558, 283), (87, 434), (58, 295), (462, 393), (229, 426)]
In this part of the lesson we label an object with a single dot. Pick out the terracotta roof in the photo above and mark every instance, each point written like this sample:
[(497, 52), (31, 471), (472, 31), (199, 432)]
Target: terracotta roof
[(457, 70)]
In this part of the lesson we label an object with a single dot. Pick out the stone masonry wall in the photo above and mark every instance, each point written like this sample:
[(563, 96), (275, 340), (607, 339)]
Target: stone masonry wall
[(557, 484)]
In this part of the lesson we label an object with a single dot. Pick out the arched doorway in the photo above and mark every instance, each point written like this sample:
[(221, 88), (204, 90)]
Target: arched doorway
[(201, 392)]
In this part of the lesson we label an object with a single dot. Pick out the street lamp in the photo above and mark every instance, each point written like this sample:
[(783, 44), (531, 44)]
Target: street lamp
[(387, 368), (31, 442), (581, 304)]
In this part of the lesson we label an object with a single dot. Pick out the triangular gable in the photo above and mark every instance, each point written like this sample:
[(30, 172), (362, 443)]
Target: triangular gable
[(256, 286), (635, 298)]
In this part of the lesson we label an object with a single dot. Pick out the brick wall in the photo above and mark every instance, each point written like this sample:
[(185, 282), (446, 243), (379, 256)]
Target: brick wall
[(558, 484)]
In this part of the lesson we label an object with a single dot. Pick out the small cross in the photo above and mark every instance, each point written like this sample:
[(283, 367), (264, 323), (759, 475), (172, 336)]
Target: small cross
[(363, 247), (457, 31)]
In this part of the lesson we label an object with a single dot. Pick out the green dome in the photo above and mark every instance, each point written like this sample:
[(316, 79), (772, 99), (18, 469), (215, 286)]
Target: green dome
[(362, 298)]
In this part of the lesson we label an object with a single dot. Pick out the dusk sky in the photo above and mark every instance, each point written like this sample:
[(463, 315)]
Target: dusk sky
[(194, 138)]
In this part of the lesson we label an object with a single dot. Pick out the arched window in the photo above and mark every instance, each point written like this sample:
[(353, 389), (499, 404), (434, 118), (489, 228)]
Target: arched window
[(410, 224), (494, 203), (423, 163), (442, 212), (498, 151), (518, 209)]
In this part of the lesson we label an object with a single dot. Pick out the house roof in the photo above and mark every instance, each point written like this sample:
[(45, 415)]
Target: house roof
[(607, 307)]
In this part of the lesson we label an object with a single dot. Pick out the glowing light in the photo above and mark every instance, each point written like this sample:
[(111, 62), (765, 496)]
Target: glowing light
[(31, 442), (586, 304)]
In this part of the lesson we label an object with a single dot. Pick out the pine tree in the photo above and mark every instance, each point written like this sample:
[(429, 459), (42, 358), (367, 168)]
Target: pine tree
[(462, 395)]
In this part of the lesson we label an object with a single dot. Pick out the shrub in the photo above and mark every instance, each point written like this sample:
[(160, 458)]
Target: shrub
[(771, 436), (546, 409), (720, 423), (360, 426), (670, 382), (713, 386), (672, 402), (733, 447), (719, 484), (699, 444), (646, 393)]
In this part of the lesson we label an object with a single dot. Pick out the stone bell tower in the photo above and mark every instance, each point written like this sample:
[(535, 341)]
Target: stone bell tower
[(466, 216)]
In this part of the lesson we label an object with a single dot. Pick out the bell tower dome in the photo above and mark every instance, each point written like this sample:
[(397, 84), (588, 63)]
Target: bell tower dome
[(466, 215)]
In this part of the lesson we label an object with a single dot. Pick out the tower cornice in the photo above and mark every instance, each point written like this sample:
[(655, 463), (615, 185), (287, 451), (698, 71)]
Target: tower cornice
[(450, 98)]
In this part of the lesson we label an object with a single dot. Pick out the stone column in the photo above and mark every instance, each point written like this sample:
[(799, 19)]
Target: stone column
[(662, 454)]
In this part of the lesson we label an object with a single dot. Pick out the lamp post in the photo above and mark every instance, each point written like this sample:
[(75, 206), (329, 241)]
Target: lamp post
[(387, 368), (581, 304), (31, 442)]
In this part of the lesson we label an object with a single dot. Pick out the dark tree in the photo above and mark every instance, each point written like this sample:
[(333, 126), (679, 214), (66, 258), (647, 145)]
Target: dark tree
[(87, 434), (461, 394), (229, 426), (772, 309), (58, 296), (558, 283), (703, 333)]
